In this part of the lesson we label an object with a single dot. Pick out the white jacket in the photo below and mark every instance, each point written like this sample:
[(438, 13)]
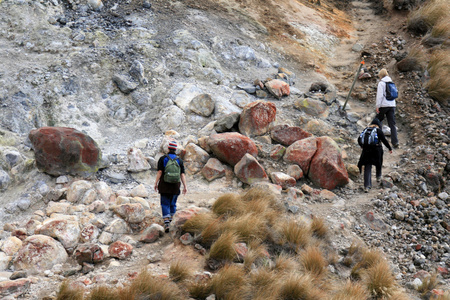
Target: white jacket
[(381, 93)]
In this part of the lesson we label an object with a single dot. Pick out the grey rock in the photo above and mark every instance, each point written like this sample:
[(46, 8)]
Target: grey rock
[(399, 215), (227, 122), (124, 84), (116, 177), (202, 105), (137, 71), (4, 180), (249, 88)]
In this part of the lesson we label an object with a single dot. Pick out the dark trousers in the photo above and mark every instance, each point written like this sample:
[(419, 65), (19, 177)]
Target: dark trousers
[(390, 116), (368, 175)]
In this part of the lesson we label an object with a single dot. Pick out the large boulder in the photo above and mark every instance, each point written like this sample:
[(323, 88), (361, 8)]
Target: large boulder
[(278, 88), (301, 153), (89, 252), (39, 253), (62, 150), (65, 230), (195, 158), (230, 147), (227, 122), (287, 135), (130, 212), (312, 107), (202, 105), (256, 118), (327, 168), (249, 171), (213, 169), (137, 161)]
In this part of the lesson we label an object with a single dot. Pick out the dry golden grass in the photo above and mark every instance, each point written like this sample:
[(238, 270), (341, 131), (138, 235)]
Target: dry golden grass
[(295, 235), (223, 247), (68, 292), (355, 248), (228, 204), (180, 270), (248, 227), (399, 295), (198, 223), (379, 280), (263, 284), (313, 262), (230, 282), (430, 13), (103, 293), (441, 29), (297, 286), (350, 291), (211, 232), (318, 228), (199, 289), (285, 263), (256, 252), (146, 286), (369, 257), (446, 296), (439, 68), (429, 283)]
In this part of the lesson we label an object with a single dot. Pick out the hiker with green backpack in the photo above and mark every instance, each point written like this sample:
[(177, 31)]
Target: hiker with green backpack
[(168, 182), (386, 95)]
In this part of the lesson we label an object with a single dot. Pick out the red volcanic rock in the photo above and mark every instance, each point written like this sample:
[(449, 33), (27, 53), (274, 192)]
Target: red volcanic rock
[(62, 150), (120, 250), (278, 88), (39, 253), (89, 233), (256, 118), (230, 147), (64, 230), (277, 152), (249, 171), (9, 287), (151, 234), (282, 179), (327, 168), (287, 135), (301, 153), (184, 215), (213, 169), (89, 253), (131, 212)]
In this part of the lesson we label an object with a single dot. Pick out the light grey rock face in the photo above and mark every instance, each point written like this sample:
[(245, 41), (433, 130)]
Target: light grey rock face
[(5, 179)]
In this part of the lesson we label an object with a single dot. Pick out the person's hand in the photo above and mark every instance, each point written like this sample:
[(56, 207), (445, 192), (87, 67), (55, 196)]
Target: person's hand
[(184, 190), (390, 151), (156, 187), (377, 110)]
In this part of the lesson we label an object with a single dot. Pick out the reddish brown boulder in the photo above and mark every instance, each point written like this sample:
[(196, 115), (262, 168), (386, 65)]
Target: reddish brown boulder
[(39, 253), (64, 230), (130, 212), (327, 168), (282, 179), (213, 169), (249, 171), (151, 234), (287, 135), (18, 286), (278, 88), (120, 250), (277, 152), (294, 171), (89, 233), (230, 147), (256, 118), (62, 150), (89, 253), (301, 153)]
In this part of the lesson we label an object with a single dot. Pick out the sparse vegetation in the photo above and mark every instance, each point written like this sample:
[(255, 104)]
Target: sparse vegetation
[(179, 271), (199, 289), (350, 291), (230, 281), (299, 287), (223, 247), (429, 283), (379, 279), (103, 293), (313, 262), (429, 14), (198, 223), (69, 292), (439, 68), (228, 204), (295, 235), (318, 228)]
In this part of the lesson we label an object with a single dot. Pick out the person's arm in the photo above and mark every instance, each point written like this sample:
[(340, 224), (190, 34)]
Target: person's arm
[(383, 139), (158, 177), (183, 180), (380, 95)]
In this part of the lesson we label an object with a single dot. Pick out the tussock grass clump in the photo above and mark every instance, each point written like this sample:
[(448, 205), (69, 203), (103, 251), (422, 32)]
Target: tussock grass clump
[(256, 254), (103, 293), (211, 232), (223, 247), (199, 289), (313, 262), (228, 204), (318, 228), (439, 84), (379, 279), (179, 271), (429, 13), (248, 227), (68, 292), (285, 263), (299, 287), (441, 29), (263, 284), (429, 283), (230, 282), (295, 235), (198, 223), (146, 286), (369, 257), (350, 291)]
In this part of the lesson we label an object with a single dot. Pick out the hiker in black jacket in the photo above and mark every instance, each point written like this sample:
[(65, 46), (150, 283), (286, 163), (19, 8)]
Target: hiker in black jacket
[(372, 155)]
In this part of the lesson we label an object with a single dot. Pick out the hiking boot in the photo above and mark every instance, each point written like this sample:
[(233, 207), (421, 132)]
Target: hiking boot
[(366, 189), (395, 146), (378, 179), (166, 227)]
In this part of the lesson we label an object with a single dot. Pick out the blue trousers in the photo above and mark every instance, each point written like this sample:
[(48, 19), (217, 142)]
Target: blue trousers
[(168, 205)]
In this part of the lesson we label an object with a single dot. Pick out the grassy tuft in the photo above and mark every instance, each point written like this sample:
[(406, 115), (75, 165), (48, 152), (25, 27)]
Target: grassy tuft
[(68, 292), (146, 286), (285, 263), (263, 284), (103, 293), (439, 84), (223, 247), (350, 291), (369, 257), (299, 287), (430, 13), (256, 253), (228, 204), (441, 29), (230, 282), (379, 279), (318, 228), (179, 271), (198, 223), (429, 283), (199, 289), (295, 235), (211, 232), (248, 227), (313, 262)]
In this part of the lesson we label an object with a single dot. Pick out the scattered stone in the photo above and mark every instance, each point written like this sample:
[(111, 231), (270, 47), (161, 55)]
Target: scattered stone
[(137, 161)]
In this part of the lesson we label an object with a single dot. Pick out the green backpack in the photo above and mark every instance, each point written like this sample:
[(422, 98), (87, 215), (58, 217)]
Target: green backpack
[(172, 170)]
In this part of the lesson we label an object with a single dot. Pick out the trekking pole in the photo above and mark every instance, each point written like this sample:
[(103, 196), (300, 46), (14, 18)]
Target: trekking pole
[(354, 81)]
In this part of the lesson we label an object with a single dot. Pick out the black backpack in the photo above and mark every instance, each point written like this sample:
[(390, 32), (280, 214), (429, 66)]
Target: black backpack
[(369, 137)]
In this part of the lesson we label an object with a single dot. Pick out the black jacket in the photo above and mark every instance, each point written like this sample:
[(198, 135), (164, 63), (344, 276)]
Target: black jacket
[(373, 154)]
